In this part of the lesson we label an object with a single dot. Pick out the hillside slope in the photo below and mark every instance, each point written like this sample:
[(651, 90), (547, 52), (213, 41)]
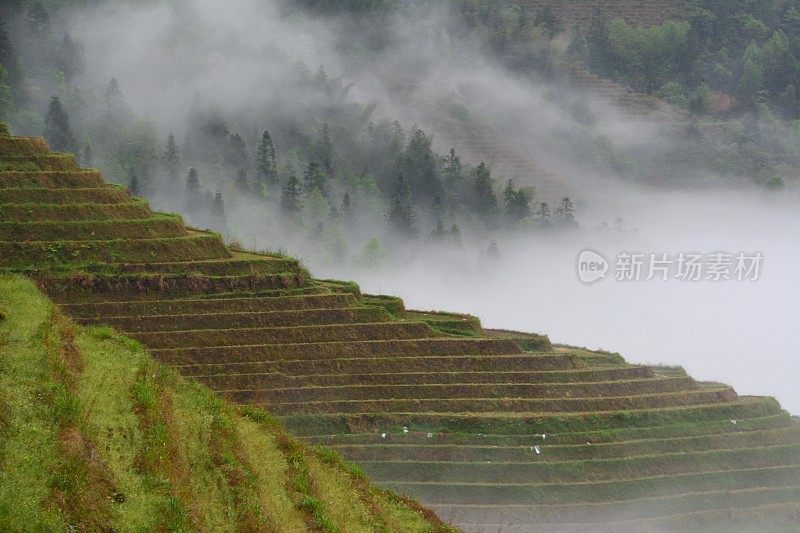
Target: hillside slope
[(635, 12), (494, 430), (96, 435)]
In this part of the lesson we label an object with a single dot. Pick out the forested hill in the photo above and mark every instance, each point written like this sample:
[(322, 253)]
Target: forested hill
[(438, 160)]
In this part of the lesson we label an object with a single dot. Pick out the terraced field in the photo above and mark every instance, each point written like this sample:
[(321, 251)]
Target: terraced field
[(476, 141), (624, 101), (491, 435)]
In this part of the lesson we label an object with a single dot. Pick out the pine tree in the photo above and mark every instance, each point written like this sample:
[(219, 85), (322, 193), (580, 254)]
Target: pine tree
[(218, 211), (543, 214), (267, 165), (113, 94), (192, 181), (452, 169), (290, 196), (347, 207), (172, 158), (133, 184), (70, 58), (438, 232), (516, 202), (566, 212), (116, 114), (522, 205), (373, 255), (437, 206), (219, 205), (508, 194), (10, 61), (193, 196), (324, 150), (401, 212), (313, 179), (57, 131), (419, 166), (485, 200), (455, 235), (236, 151), (333, 214)]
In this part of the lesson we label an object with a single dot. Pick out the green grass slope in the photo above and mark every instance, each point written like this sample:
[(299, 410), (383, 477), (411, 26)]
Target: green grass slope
[(495, 430), (95, 435)]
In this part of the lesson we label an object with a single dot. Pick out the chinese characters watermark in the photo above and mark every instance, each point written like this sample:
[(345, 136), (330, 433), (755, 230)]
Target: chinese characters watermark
[(684, 266)]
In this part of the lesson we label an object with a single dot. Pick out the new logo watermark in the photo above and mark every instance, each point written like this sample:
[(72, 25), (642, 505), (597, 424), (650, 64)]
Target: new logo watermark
[(592, 266), (662, 266)]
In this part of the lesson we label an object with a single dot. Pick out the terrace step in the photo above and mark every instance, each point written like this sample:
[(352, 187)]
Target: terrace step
[(338, 349), (38, 161), (436, 435), (134, 209), (585, 471), (403, 365), (193, 306), (430, 377), (597, 514), (239, 264), (395, 448), (263, 394), (86, 288), (521, 427), (246, 337), (302, 317), (20, 146), (105, 194), (506, 405), (56, 179), (783, 516), (146, 228), (52, 254), (600, 491)]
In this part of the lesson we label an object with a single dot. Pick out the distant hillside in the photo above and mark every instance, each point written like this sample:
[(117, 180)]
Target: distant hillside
[(96, 436), (640, 13)]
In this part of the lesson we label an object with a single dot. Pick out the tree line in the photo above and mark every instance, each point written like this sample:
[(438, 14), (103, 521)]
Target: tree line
[(327, 171)]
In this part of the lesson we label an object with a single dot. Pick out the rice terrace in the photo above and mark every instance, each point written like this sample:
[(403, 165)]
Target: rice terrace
[(159, 376)]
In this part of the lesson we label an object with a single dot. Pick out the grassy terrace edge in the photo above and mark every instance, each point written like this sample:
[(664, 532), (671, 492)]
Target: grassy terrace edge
[(160, 451)]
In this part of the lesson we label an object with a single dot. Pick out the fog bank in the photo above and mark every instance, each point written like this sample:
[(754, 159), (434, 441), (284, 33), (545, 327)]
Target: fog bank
[(744, 333)]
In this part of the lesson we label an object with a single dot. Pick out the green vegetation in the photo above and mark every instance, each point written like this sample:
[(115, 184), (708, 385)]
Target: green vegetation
[(567, 428), (158, 452), (747, 50), (318, 175)]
